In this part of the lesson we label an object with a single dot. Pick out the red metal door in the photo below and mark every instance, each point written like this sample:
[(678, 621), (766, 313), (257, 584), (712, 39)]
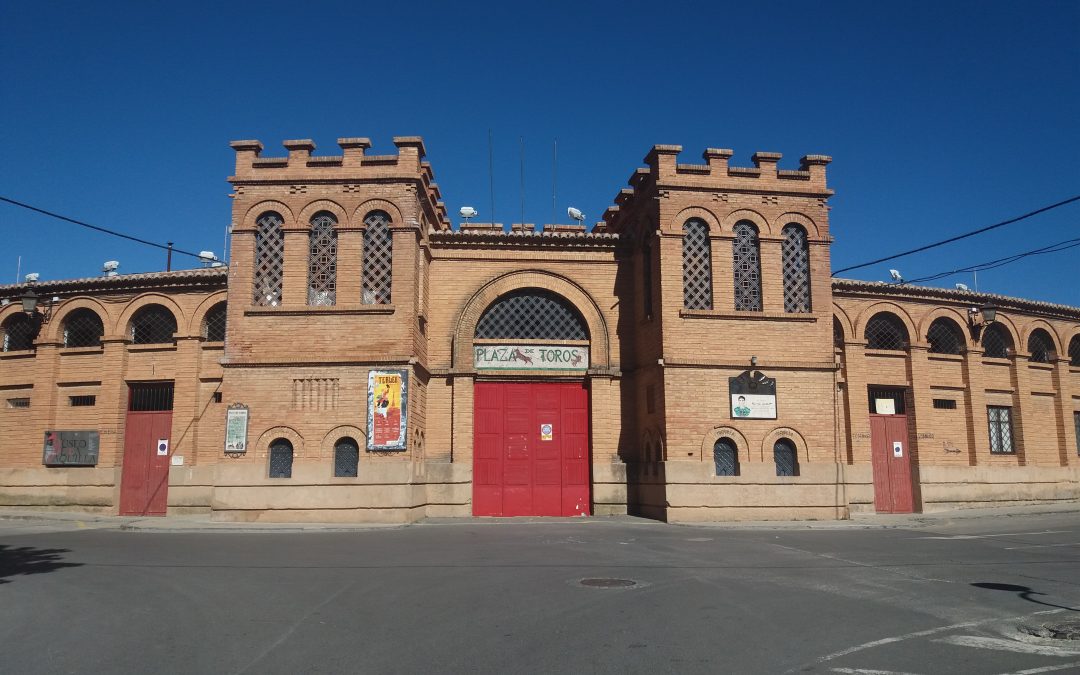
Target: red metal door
[(892, 464), (531, 449), (144, 482)]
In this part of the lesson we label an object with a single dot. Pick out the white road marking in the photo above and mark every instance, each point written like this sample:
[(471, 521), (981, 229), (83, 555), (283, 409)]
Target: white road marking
[(870, 671), (1005, 645), (1044, 669), (1013, 548), (988, 536)]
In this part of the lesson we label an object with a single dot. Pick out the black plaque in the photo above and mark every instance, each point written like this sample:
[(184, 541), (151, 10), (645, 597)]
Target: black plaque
[(71, 448)]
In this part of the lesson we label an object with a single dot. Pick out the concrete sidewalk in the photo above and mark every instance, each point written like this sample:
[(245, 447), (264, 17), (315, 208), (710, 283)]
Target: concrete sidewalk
[(204, 523)]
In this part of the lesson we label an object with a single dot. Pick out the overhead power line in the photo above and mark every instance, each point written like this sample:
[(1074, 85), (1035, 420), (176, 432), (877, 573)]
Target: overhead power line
[(114, 233), (959, 236), (991, 264)]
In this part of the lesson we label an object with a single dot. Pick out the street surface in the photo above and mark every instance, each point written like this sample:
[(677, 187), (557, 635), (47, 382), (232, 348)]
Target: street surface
[(501, 597)]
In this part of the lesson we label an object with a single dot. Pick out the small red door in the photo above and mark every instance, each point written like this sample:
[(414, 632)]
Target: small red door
[(892, 464), (144, 482), (531, 449)]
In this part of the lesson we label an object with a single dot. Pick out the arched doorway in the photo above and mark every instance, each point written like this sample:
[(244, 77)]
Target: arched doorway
[(531, 407)]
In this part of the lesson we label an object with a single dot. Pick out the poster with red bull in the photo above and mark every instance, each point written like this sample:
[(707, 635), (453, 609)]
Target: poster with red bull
[(387, 409)]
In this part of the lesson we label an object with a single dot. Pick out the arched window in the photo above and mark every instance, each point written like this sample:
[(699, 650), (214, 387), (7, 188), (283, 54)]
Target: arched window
[(152, 325), (378, 259), (787, 461), (214, 323), (796, 250), (1074, 351), (281, 458), (886, 331), (18, 333), (322, 260), (1041, 346), (696, 265), (945, 337), (531, 314), (996, 341), (726, 457), (346, 458), (837, 334), (747, 263), (83, 328), (269, 263)]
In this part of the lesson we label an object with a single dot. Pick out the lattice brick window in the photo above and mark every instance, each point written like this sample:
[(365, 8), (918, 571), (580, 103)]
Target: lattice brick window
[(1001, 436), (281, 459), (315, 393), (152, 325), (747, 264), (214, 323), (1041, 346), (726, 457), (1074, 351), (787, 463), (346, 458), (83, 328), (996, 341), (697, 265), (322, 260), (945, 337), (531, 314), (378, 259), (269, 264), (796, 255), (18, 333), (886, 331)]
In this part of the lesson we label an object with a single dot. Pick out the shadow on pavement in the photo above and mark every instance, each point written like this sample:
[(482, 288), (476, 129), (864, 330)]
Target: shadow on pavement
[(29, 560), (1023, 591)]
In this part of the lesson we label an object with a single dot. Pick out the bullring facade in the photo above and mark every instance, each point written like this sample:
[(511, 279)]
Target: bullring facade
[(689, 358)]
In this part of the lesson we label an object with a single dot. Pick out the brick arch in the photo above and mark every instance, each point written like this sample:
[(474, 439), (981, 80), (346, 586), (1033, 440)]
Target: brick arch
[(727, 225), (845, 322), (1030, 327), (884, 306), (326, 447), (194, 326), (309, 211), (942, 312), (600, 346), (53, 330), (802, 450), (652, 435), (262, 446), (1067, 340), (137, 303), (361, 212), (252, 214), (718, 432), (710, 219), (795, 218), (1012, 328)]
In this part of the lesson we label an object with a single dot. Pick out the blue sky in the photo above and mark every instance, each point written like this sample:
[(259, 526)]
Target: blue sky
[(940, 116)]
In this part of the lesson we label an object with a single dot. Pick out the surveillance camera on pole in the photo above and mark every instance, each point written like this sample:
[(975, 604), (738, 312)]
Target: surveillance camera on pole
[(962, 287), (576, 214), (467, 212)]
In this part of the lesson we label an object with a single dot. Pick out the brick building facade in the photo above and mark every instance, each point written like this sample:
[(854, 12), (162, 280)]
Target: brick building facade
[(556, 371)]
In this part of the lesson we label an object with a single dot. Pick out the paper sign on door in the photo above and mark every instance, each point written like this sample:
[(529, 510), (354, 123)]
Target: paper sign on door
[(162, 447), (545, 432), (897, 449)]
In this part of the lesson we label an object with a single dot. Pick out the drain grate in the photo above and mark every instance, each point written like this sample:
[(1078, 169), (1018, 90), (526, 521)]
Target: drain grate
[(608, 583), (1061, 630)]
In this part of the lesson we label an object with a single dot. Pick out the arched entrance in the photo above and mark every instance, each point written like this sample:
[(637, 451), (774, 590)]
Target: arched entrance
[(531, 407)]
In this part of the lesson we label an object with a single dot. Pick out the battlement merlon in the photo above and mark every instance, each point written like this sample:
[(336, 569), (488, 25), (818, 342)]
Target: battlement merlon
[(718, 174)]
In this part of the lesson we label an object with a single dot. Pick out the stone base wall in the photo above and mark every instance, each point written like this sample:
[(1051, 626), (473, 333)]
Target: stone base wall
[(86, 489), (950, 487)]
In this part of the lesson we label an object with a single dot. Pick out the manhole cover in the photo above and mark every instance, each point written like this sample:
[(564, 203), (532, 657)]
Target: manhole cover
[(1061, 630), (608, 583)]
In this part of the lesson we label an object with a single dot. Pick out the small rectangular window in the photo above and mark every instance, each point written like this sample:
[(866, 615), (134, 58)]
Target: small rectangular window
[(151, 397), (18, 402), (944, 404), (217, 397), (1001, 435), (80, 401)]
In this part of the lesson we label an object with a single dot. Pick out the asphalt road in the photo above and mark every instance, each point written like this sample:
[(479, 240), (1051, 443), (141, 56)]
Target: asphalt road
[(506, 598)]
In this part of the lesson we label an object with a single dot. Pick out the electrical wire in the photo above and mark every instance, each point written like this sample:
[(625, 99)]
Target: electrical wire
[(99, 229), (992, 264), (959, 236)]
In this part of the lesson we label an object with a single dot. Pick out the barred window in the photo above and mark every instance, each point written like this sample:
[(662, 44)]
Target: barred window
[(1001, 435), (346, 458), (1074, 351), (281, 459), (726, 457), (747, 263), (214, 323), (531, 314), (796, 254), (269, 264), (378, 259), (787, 462), (152, 325), (322, 260), (1076, 423), (837, 333), (945, 337), (945, 404), (83, 328), (996, 341), (697, 265), (885, 330), (18, 333), (1041, 346)]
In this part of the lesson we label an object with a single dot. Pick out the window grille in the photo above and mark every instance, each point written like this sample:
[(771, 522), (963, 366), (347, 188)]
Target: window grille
[(82, 401), (1074, 351), (1001, 436), (378, 259), (322, 260), (18, 402), (796, 254), (945, 337), (996, 341), (281, 459), (646, 275), (531, 314), (944, 404), (726, 457), (1076, 423), (269, 267), (151, 397), (346, 458), (747, 263), (83, 328), (697, 265), (214, 323), (837, 334), (18, 333), (897, 396), (886, 331), (787, 463), (153, 325), (1041, 346), (216, 398)]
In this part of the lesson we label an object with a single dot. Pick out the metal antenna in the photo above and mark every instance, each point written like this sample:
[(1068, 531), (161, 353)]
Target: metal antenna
[(18, 269), (554, 174), (521, 154), (491, 172)]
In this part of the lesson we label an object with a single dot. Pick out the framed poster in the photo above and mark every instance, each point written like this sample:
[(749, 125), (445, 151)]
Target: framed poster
[(236, 427), (70, 448), (753, 396), (388, 398)]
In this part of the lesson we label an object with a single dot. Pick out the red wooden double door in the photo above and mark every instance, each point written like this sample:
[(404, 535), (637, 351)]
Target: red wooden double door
[(531, 449)]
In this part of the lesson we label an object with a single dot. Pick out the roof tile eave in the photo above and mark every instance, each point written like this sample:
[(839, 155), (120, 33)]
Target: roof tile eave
[(955, 295)]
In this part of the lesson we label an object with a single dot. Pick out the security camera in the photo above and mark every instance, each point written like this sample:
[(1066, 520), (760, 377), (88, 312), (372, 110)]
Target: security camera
[(576, 214)]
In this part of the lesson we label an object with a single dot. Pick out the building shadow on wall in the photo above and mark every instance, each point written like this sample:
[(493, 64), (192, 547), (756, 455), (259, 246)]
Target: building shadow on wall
[(21, 560)]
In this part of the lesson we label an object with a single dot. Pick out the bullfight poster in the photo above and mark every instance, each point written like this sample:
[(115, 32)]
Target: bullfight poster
[(387, 410)]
